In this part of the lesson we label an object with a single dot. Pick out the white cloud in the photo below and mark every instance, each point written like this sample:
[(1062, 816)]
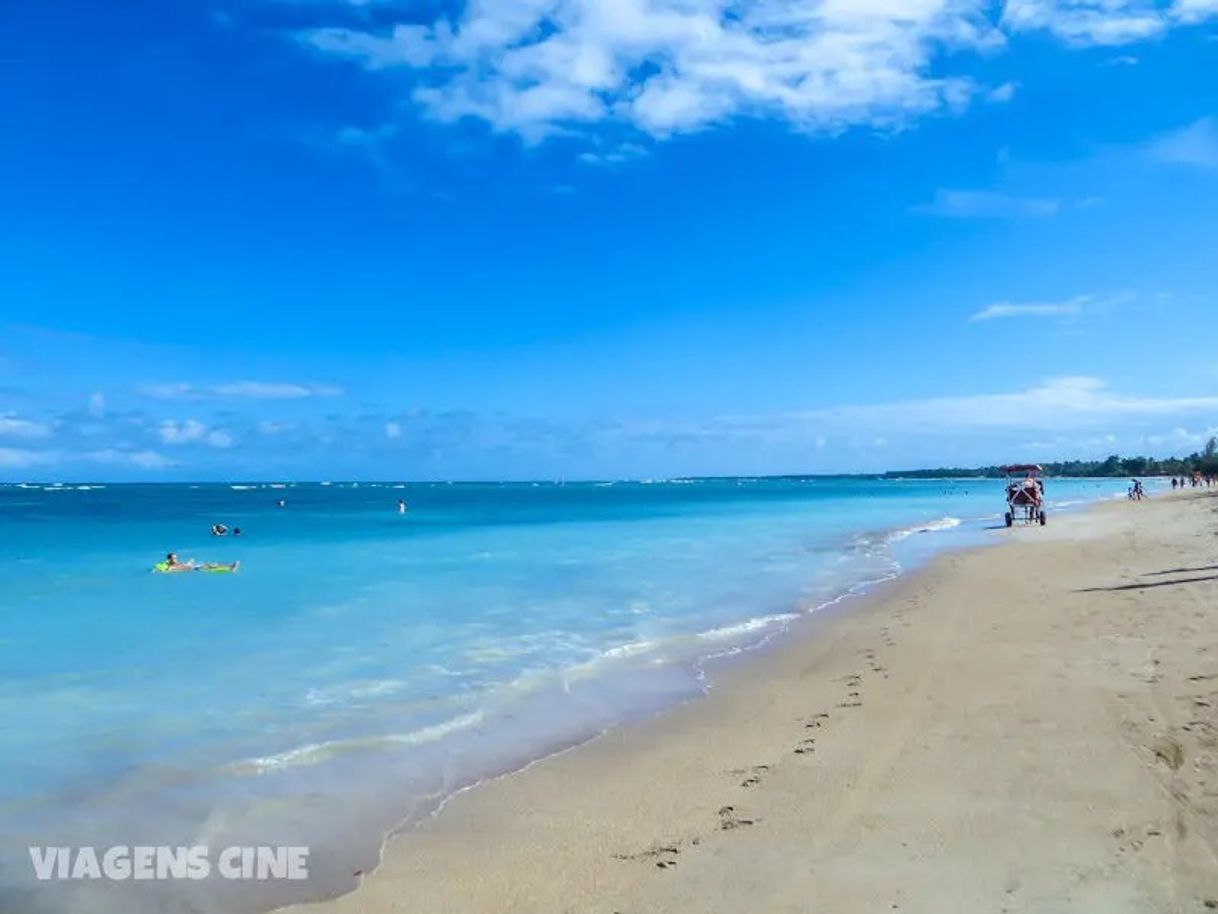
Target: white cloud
[(1196, 144), (1190, 11), (1061, 403), (537, 67), (168, 391), (15, 458), (20, 459), (192, 431), (615, 155), (1069, 308), (13, 427), (97, 405), (977, 204), (543, 67), (1073, 411), (393, 430), (269, 427), (245, 390), (144, 460), (1003, 93), (1088, 22), (1182, 438), (172, 432)]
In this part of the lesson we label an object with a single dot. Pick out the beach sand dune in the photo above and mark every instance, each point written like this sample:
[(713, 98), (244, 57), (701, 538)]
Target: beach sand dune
[(1032, 727)]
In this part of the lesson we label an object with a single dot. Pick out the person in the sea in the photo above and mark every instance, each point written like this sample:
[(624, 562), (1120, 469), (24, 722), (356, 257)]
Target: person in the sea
[(282, 503), (173, 563), (401, 506), (236, 531), (218, 530)]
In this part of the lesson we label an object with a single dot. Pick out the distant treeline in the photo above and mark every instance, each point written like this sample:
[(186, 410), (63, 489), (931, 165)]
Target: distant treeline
[(1205, 462)]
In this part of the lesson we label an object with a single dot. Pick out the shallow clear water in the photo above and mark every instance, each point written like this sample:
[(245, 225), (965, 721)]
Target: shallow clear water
[(363, 665)]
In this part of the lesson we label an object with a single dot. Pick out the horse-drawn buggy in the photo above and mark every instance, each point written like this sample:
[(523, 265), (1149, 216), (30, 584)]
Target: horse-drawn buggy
[(1025, 494)]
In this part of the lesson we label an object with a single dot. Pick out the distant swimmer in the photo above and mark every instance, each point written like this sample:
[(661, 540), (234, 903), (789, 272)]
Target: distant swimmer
[(401, 506), (218, 530), (173, 564), (282, 503), (236, 531)]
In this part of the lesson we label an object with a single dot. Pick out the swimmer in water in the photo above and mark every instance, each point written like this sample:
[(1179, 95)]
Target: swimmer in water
[(172, 564), (401, 506), (218, 530)]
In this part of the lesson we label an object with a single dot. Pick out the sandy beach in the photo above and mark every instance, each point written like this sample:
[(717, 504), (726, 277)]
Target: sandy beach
[(1030, 727)]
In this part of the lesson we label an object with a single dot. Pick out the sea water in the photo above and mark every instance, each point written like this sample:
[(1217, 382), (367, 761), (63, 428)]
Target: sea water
[(364, 664)]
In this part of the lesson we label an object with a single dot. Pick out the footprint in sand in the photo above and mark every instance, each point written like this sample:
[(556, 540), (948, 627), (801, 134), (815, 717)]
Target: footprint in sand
[(663, 856), (728, 819), (805, 746), (755, 778), (1170, 753)]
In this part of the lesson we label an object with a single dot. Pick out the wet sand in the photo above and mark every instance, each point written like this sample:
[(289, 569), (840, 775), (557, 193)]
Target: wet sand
[(1032, 727)]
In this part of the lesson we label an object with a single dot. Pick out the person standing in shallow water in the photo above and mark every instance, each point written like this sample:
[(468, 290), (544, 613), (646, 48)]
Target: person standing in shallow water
[(401, 506)]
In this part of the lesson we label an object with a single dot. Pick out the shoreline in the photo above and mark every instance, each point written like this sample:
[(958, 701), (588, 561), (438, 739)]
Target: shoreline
[(665, 813), (346, 809)]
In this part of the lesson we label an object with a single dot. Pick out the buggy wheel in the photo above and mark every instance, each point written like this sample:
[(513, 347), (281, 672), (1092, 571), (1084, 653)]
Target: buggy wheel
[(1009, 518), (1042, 518)]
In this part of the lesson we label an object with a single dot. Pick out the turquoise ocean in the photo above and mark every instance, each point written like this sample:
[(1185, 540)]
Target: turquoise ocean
[(363, 665)]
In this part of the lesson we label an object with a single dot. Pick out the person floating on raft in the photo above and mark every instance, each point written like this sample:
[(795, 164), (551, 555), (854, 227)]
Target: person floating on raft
[(173, 564)]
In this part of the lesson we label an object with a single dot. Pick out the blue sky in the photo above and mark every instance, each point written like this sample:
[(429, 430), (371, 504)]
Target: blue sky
[(576, 238)]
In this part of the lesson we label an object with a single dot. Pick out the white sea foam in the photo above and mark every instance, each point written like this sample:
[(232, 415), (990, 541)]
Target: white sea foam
[(357, 691), (314, 753), (757, 623), (630, 649), (935, 526)]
